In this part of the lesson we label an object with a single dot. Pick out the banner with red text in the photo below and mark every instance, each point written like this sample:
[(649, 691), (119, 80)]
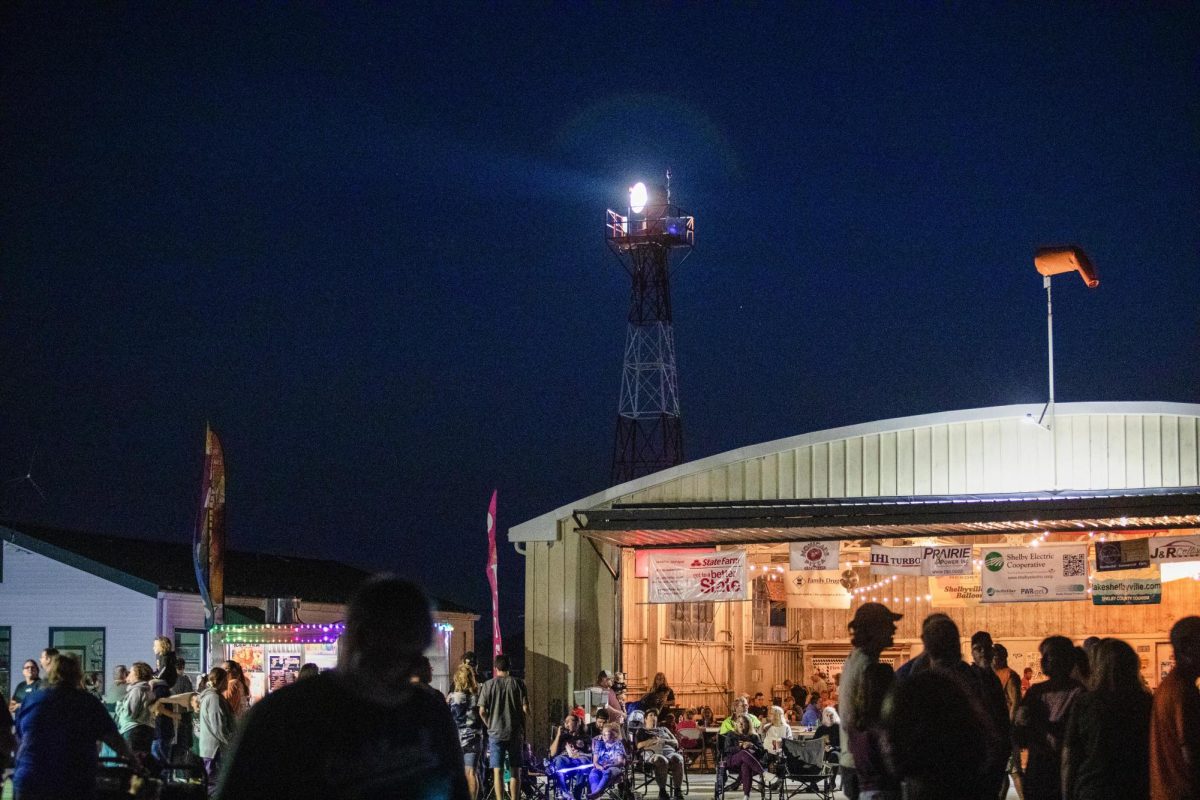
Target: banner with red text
[(641, 558), (704, 578)]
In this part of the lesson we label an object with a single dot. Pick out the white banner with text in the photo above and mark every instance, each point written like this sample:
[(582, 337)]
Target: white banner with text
[(815, 589), (1034, 574), (698, 578), (929, 560), (814, 555)]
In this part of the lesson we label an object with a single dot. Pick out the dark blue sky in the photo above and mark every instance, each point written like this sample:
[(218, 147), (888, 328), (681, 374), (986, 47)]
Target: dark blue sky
[(366, 244)]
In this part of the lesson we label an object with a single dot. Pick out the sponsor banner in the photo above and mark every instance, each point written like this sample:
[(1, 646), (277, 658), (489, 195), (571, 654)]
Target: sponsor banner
[(814, 555), (897, 560), (920, 560), (955, 591), (1034, 574), (1165, 549), (954, 559), (816, 589), (699, 578), (641, 558), (1134, 588), (1124, 554)]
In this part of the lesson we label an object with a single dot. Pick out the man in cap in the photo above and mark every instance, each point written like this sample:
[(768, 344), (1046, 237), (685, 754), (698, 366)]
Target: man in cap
[(362, 730), (871, 633)]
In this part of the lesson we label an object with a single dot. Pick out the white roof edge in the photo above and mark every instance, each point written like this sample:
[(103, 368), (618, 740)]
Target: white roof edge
[(544, 527)]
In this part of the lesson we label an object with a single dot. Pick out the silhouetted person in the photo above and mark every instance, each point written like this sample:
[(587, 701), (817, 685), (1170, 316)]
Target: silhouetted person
[(1106, 752), (362, 730), (995, 705), (868, 740), (934, 723), (1175, 724), (1041, 720), (1010, 681), (871, 632)]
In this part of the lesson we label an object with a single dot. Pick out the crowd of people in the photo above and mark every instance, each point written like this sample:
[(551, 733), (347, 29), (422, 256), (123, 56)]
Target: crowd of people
[(942, 728), (151, 715), (939, 727)]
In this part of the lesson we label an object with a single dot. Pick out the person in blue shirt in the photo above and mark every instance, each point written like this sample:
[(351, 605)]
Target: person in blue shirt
[(57, 730), (812, 712)]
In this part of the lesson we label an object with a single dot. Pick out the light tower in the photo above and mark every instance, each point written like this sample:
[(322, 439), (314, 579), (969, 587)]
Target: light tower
[(649, 431)]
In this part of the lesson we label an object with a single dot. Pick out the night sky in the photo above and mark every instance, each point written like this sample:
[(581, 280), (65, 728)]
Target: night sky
[(366, 244)]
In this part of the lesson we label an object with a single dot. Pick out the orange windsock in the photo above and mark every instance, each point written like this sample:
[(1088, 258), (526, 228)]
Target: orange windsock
[(1068, 258)]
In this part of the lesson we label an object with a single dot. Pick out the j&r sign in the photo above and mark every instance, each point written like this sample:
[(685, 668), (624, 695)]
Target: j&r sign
[(698, 578)]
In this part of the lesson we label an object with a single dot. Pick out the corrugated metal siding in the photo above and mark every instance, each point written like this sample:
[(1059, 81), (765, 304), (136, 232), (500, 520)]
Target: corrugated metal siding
[(1093, 451), (38, 593)]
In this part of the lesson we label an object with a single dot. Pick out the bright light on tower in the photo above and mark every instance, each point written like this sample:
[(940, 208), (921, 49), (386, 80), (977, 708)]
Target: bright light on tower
[(638, 197)]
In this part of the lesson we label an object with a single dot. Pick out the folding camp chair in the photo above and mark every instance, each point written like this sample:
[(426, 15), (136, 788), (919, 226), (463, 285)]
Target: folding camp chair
[(691, 744), (723, 777), (805, 769)]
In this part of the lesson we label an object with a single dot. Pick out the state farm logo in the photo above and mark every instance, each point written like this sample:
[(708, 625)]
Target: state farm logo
[(727, 561)]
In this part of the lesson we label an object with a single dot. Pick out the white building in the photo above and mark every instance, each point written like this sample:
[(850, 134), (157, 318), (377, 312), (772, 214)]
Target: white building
[(105, 598)]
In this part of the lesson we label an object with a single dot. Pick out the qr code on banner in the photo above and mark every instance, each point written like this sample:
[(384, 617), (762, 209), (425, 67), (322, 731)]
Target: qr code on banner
[(1074, 565)]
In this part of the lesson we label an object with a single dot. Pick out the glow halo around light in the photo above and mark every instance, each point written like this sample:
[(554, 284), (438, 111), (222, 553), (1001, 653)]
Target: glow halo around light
[(638, 197)]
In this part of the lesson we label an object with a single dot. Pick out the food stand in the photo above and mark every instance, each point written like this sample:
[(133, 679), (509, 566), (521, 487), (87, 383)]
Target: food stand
[(271, 654)]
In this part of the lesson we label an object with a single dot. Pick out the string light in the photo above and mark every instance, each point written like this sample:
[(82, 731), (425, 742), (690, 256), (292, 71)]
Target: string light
[(877, 585), (300, 633)]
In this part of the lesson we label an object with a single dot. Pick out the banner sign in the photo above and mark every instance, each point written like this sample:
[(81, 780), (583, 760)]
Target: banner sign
[(641, 558), (816, 589), (698, 578), (1034, 574), (896, 560), (952, 559), (208, 541), (918, 560), (1135, 588), (1124, 554), (955, 591), (1165, 549), (814, 555)]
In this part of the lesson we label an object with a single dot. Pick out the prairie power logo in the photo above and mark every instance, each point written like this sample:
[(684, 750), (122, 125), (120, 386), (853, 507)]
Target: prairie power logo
[(993, 561)]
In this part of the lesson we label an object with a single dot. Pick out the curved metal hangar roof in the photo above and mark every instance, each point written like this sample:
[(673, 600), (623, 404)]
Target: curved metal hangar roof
[(1120, 466)]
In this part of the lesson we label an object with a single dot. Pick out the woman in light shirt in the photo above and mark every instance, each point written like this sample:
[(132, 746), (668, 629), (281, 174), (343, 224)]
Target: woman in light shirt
[(774, 731)]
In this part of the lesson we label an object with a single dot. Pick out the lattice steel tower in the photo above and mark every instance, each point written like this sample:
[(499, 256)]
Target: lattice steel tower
[(649, 431)]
